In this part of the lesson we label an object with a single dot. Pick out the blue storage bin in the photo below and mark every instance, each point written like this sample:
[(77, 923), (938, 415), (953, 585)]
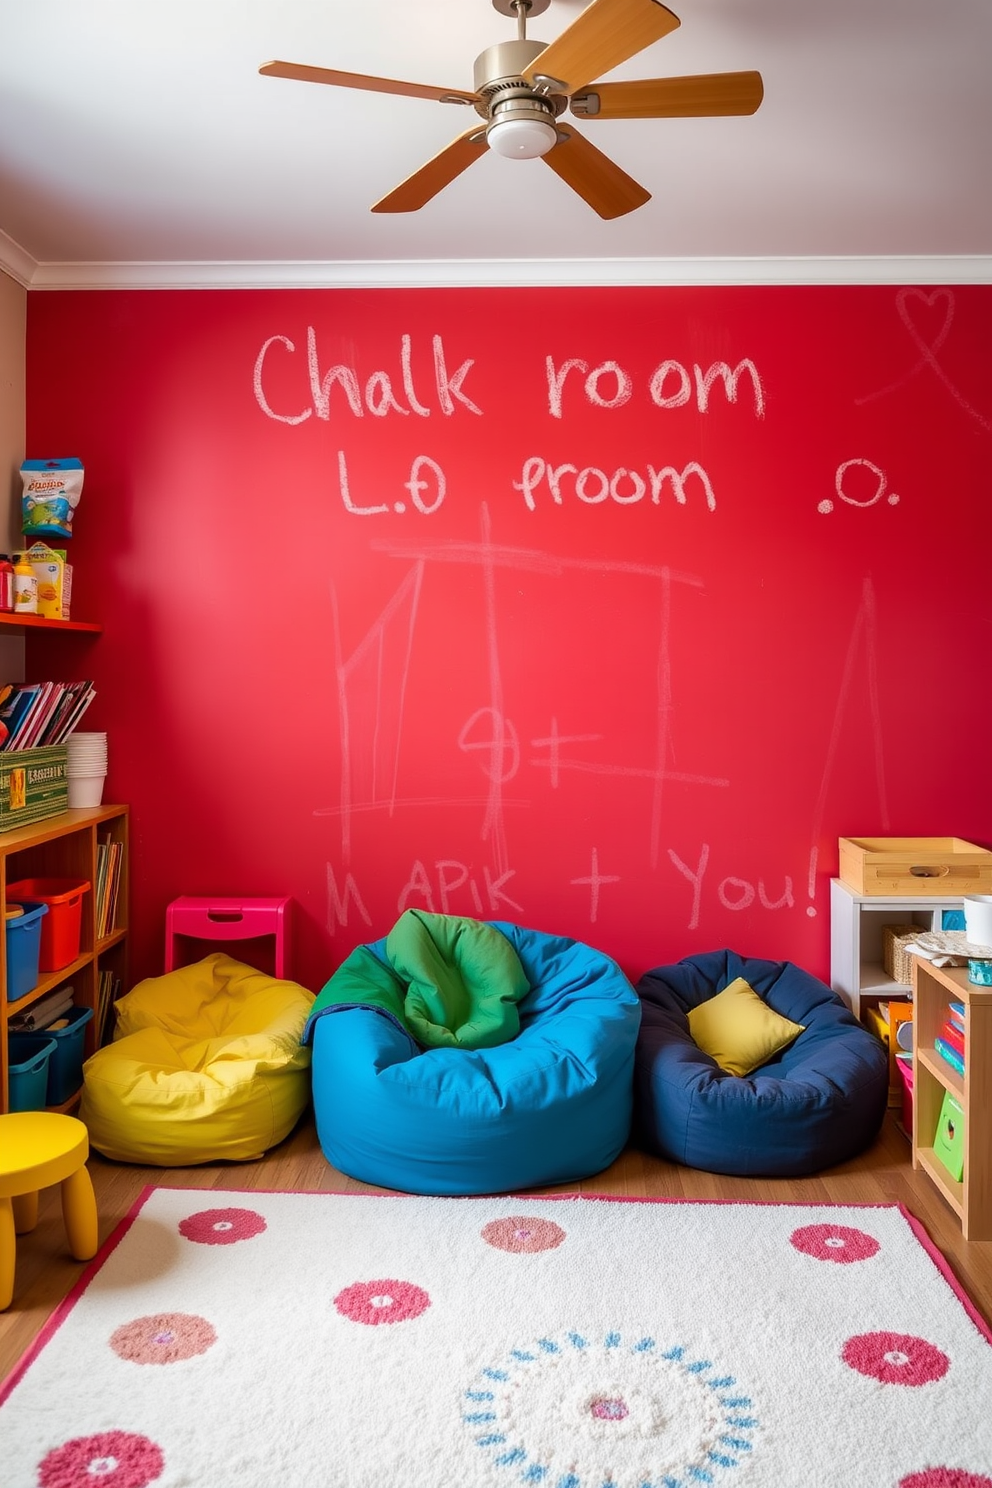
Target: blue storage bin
[(28, 1070), (24, 950), (65, 1068)]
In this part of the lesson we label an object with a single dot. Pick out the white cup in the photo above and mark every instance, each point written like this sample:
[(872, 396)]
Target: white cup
[(86, 790), (978, 919)]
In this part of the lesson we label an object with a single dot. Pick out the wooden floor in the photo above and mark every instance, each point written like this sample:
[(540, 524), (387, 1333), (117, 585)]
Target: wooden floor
[(882, 1175)]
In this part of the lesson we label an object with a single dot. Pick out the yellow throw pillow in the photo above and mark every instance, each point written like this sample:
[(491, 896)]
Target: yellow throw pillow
[(739, 1030)]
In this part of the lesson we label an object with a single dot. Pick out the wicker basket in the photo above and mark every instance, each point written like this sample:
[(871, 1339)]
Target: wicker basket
[(895, 958)]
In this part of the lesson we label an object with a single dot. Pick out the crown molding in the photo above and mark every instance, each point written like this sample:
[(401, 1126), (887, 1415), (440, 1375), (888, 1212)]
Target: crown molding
[(502, 273), (15, 261)]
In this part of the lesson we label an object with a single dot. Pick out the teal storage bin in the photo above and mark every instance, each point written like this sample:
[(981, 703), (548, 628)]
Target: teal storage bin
[(65, 1068), (24, 950), (28, 1070)]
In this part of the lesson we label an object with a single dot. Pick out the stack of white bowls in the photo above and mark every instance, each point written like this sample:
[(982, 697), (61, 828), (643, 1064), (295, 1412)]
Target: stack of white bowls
[(86, 768)]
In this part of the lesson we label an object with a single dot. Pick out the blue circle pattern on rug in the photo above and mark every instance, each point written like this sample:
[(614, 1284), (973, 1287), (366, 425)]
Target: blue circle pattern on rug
[(577, 1412)]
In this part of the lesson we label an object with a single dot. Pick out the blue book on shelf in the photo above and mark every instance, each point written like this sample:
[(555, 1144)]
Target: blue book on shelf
[(16, 709), (952, 1056)]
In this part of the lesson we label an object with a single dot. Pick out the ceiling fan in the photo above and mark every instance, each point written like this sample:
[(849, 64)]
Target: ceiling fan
[(523, 86)]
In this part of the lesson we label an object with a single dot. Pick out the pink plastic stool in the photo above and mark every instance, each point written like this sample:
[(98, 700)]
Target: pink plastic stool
[(227, 919)]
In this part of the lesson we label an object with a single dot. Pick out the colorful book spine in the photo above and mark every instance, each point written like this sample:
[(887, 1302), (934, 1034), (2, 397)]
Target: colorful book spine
[(956, 1014), (954, 1037), (949, 1055)]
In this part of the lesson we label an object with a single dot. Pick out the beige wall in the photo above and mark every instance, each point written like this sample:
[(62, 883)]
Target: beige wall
[(13, 322)]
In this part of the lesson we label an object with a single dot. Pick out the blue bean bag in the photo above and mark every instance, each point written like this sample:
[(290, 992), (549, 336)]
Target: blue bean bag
[(818, 1102), (550, 1105)]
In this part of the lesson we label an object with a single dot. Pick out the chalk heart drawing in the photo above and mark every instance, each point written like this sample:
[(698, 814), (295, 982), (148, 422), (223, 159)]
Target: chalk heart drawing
[(920, 314), (851, 487), (927, 321)]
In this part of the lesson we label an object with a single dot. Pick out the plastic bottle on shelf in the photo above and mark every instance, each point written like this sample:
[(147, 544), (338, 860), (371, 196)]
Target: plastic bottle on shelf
[(25, 587), (6, 583)]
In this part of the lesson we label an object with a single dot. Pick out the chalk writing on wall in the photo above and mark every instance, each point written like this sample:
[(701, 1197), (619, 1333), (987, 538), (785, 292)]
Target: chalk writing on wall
[(594, 609), (844, 484), (377, 395), (607, 385), (926, 317)]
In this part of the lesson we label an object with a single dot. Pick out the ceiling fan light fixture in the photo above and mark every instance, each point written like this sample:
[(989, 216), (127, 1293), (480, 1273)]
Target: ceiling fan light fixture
[(522, 87), (521, 129)]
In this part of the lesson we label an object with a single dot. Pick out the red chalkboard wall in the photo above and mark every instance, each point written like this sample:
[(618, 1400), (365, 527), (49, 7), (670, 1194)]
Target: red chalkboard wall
[(606, 611)]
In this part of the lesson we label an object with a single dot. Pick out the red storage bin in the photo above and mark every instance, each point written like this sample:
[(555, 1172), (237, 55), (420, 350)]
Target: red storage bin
[(61, 926)]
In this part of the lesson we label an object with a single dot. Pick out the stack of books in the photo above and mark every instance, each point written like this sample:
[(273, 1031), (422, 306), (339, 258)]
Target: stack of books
[(949, 1042), (34, 715), (108, 992), (108, 875)]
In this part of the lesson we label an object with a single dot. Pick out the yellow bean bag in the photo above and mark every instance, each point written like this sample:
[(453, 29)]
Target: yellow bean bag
[(206, 1064)]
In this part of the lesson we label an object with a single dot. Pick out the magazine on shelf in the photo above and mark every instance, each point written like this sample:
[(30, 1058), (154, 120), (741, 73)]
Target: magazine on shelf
[(37, 715)]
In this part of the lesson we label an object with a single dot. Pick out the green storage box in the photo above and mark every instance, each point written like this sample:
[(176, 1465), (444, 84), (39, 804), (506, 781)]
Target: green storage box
[(33, 785)]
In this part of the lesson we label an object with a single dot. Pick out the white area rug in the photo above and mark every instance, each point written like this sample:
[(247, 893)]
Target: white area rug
[(261, 1340)]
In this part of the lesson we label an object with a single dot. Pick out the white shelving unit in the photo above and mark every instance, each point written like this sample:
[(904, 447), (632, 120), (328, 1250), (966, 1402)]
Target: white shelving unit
[(856, 924)]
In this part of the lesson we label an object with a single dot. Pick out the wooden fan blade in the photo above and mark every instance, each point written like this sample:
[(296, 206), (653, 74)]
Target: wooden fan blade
[(598, 180), (707, 95), (431, 178), (604, 35), (301, 73)]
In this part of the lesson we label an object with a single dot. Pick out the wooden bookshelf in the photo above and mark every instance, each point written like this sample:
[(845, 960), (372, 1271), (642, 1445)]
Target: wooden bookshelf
[(67, 846), (933, 988)]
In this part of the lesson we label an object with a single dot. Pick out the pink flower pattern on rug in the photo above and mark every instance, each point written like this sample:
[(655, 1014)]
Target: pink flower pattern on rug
[(945, 1477), (522, 1234), (221, 1226), (834, 1242), (375, 1302), (895, 1358), (112, 1459), (163, 1338)]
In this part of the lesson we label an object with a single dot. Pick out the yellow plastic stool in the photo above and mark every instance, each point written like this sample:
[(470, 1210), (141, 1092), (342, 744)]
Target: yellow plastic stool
[(37, 1149)]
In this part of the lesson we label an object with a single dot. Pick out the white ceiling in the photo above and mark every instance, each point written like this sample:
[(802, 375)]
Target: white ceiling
[(139, 145)]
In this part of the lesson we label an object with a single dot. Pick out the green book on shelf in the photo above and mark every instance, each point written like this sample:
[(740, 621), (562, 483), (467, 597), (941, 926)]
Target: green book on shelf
[(948, 1142)]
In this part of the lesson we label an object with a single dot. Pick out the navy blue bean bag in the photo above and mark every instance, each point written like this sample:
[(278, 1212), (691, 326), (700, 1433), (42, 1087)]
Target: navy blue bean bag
[(551, 1105), (818, 1103)]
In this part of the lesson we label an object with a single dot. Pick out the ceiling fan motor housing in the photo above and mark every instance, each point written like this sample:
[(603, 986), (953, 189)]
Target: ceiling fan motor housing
[(521, 120)]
